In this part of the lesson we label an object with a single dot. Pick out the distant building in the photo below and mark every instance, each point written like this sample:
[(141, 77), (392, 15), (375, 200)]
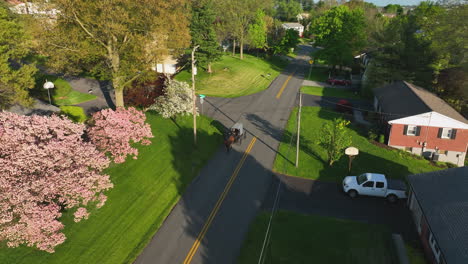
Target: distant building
[(296, 26), (29, 8), (422, 123), (167, 66), (439, 205)]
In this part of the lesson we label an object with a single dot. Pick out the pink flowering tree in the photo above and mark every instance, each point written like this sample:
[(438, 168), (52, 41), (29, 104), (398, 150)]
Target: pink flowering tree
[(46, 167), (113, 132)]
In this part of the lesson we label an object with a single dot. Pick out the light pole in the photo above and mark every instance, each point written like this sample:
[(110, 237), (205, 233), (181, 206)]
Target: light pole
[(49, 85), (194, 98)]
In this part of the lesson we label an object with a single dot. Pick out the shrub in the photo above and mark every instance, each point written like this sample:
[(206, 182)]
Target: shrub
[(75, 113), (381, 138), (143, 93)]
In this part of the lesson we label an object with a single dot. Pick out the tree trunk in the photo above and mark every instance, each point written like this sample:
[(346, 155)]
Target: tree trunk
[(241, 46), (234, 47), (209, 67), (119, 101)]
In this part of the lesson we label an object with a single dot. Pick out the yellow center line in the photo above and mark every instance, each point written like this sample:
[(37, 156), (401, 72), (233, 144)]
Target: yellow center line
[(213, 213), (284, 86)]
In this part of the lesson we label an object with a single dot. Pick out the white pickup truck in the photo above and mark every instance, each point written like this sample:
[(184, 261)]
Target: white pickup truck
[(374, 184)]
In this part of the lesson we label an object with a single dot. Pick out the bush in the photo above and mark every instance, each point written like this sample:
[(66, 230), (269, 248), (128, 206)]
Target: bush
[(143, 93), (371, 135), (75, 113), (381, 138)]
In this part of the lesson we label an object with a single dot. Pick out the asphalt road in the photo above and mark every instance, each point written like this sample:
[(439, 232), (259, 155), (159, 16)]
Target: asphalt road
[(328, 199), (264, 116)]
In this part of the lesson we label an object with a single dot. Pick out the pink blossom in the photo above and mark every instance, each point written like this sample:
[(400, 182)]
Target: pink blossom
[(46, 167), (80, 214), (113, 132)]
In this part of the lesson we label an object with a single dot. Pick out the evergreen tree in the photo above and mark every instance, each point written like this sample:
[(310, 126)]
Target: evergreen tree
[(202, 29)]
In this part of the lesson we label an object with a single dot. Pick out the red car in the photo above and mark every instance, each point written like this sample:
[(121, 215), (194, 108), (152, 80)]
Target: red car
[(338, 82)]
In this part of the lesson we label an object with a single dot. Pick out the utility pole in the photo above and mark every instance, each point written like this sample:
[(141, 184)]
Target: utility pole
[(298, 128), (194, 98)]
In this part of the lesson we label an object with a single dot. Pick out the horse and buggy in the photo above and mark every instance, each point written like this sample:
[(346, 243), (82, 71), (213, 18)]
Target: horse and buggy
[(234, 135)]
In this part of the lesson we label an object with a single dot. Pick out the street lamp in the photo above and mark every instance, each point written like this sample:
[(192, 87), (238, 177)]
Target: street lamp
[(49, 85)]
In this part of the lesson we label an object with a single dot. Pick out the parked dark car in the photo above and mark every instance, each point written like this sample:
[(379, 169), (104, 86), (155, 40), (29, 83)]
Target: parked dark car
[(344, 106), (333, 81)]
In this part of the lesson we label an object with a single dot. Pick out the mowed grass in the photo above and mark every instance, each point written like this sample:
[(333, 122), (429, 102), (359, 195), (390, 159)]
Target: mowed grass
[(62, 93), (302, 239), (313, 158), (75, 113), (318, 74), (233, 77), (145, 190), (331, 92)]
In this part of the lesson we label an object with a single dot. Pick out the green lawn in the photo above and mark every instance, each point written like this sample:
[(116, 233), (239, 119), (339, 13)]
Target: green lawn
[(331, 92), (312, 158), (305, 239), (145, 190), (233, 77), (62, 94), (318, 74)]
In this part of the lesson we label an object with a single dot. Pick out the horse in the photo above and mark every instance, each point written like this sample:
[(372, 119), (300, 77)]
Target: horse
[(229, 141)]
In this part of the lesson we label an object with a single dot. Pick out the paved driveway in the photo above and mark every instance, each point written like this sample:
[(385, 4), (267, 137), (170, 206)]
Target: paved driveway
[(327, 199)]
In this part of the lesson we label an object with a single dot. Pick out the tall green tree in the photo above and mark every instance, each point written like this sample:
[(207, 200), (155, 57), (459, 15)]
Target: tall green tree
[(257, 34), (341, 33), (237, 16), (287, 10), (16, 78), (122, 39), (202, 30)]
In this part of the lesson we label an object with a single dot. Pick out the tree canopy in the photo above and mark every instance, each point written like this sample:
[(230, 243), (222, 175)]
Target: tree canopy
[(121, 40), (341, 33), (16, 78)]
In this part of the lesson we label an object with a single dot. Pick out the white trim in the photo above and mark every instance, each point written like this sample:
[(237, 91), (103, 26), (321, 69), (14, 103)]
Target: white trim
[(449, 133), (435, 249), (431, 119), (415, 129)]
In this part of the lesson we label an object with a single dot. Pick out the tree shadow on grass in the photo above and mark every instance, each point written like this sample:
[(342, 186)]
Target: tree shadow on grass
[(201, 181)]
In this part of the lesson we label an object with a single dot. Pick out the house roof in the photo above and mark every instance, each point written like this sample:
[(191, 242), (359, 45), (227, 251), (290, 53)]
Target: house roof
[(405, 99), (443, 197), (292, 25), (431, 119)]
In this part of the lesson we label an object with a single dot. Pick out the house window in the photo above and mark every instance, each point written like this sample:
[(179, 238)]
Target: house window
[(444, 152), (434, 247), (411, 131), (409, 149), (446, 133)]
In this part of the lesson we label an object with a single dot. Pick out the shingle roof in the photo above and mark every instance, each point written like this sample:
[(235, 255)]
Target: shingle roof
[(405, 99), (443, 197)]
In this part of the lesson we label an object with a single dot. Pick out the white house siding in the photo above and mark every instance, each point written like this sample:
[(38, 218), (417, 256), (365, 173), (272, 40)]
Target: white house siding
[(455, 157)]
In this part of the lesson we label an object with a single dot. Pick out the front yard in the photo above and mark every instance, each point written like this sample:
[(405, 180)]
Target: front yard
[(297, 238), (145, 191), (312, 158), (233, 77), (330, 92)]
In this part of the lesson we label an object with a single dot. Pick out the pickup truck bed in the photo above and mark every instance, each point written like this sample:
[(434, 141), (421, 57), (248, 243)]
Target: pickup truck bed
[(396, 185)]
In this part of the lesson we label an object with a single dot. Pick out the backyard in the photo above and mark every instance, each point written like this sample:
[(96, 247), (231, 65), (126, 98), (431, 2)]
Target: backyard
[(297, 238), (145, 191), (62, 93), (233, 77), (312, 158)]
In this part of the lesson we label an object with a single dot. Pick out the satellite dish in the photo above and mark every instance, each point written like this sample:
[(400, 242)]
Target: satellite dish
[(351, 151)]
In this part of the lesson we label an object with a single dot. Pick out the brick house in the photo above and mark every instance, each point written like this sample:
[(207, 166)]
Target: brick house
[(439, 206), (427, 126)]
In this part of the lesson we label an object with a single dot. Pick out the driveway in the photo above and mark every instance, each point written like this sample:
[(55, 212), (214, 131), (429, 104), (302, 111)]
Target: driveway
[(330, 102), (327, 199), (102, 89)]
